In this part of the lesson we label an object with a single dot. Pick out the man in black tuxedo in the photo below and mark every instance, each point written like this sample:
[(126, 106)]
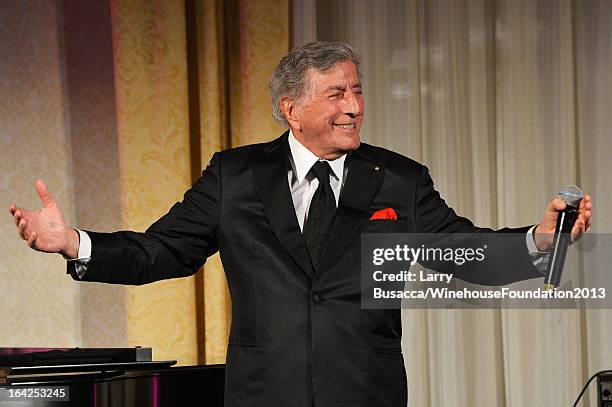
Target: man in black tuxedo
[(286, 217)]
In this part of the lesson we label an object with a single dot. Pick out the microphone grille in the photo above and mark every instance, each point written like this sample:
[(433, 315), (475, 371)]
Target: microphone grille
[(571, 195)]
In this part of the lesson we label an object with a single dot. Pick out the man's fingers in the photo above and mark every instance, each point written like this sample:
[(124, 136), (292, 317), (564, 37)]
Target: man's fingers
[(578, 230), (557, 204), (12, 208), (586, 203), (43, 193), (32, 240), (586, 211), (18, 215), (586, 218), (22, 225)]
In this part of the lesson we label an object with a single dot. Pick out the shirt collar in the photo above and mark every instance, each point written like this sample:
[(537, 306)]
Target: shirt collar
[(303, 159)]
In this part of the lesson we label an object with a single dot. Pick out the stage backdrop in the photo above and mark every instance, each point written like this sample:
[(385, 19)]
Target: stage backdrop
[(505, 101), (117, 106)]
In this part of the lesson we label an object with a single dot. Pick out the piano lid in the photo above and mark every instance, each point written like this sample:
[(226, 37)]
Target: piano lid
[(72, 356)]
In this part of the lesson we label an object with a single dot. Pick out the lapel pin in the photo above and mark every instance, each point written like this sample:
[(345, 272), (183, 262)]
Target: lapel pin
[(376, 168)]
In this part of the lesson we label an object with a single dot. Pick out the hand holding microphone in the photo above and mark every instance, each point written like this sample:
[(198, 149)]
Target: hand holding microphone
[(567, 217)]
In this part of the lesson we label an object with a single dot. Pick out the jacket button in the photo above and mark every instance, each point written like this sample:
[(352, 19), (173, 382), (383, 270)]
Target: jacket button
[(316, 298)]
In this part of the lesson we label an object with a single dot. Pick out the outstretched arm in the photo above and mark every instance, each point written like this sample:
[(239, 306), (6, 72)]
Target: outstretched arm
[(174, 246)]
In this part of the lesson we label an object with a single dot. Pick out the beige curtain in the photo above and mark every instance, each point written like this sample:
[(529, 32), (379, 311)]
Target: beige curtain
[(505, 101), (118, 106)]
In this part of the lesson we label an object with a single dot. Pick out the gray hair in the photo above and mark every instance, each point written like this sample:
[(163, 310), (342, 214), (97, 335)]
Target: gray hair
[(290, 78)]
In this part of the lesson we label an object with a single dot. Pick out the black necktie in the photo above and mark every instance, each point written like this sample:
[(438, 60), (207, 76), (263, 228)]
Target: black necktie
[(321, 213)]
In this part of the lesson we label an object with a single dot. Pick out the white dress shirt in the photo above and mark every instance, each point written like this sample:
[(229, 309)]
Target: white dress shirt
[(304, 185)]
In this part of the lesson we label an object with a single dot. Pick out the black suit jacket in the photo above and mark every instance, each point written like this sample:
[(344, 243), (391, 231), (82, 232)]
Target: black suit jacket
[(298, 334)]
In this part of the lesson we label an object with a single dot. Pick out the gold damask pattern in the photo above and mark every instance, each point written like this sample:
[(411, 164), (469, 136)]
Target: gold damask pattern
[(152, 115), (152, 94), (264, 38)]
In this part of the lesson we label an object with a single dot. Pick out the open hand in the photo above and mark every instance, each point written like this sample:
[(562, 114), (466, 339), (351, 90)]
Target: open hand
[(45, 230), (545, 230)]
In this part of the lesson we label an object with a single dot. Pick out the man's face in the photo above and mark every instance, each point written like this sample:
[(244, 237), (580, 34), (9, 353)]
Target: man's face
[(328, 118)]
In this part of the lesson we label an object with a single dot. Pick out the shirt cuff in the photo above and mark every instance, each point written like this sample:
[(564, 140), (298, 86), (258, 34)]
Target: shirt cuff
[(540, 259), (531, 245), (84, 246), (78, 266)]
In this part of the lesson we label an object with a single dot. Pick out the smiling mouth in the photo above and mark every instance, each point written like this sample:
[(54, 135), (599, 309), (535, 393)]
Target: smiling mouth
[(349, 126)]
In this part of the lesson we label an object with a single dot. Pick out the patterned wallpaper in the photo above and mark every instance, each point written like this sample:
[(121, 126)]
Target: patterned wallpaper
[(57, 123)]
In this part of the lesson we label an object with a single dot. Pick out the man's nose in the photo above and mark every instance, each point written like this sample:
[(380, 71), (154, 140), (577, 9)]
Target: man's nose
[(351, 104)]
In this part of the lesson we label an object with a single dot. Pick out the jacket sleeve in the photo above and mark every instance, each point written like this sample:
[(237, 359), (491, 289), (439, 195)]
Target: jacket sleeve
[(176, 245), (507, 258)]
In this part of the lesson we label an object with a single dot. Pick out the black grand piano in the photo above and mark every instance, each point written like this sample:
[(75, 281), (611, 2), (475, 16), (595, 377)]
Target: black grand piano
[(110, 377)]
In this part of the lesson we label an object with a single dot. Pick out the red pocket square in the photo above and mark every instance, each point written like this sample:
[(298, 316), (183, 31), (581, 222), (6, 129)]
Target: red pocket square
[(387, 213)]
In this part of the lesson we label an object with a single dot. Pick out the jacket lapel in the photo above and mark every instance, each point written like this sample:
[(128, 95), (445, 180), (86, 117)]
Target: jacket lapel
[(364, 179), (270, 171)]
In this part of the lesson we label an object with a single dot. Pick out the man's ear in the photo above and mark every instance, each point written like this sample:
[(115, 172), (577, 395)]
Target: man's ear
[(289, 109)]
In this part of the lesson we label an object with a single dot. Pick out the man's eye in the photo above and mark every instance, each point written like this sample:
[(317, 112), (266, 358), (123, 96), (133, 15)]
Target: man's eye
[(335, 95), (358, 91)]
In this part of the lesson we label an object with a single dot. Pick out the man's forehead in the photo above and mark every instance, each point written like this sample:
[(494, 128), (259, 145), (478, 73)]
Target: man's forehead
[(341, 74)]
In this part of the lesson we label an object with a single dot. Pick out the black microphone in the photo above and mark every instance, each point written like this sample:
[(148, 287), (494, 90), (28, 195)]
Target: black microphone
[(571, 195)]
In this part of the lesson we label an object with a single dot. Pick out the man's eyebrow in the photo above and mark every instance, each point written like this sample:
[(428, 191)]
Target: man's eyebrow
[(336, 87), (342, 87)]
